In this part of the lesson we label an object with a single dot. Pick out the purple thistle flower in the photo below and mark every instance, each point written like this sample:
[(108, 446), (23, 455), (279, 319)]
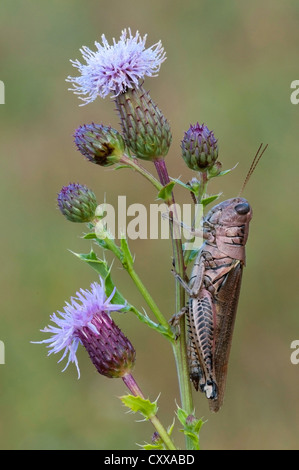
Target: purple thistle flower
[(86, 320), (116, 68)]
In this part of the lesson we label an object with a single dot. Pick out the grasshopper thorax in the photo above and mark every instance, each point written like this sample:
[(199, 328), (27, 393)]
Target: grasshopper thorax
[(228, 223)]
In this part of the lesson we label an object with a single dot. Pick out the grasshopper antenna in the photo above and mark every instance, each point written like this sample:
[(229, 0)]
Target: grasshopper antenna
[(260, 152)]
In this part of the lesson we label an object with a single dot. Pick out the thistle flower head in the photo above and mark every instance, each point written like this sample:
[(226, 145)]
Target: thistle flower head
[(77, 203), (145, 129), (199, 148), (86, 320), (117, 67), (100, 144)]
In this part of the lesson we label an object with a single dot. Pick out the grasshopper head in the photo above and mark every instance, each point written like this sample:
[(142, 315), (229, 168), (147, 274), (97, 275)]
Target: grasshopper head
[(229, 222), (236, 211)]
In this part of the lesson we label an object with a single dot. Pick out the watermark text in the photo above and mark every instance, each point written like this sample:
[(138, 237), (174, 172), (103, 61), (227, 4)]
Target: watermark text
[(137, 221), (2, 92), (2, 353), (295, 94), (295, 354)]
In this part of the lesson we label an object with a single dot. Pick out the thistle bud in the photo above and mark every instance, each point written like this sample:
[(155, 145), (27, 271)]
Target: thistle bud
[(156, 439), (110, 351), (77, 203), (146, 131), (100, 144), (199, 148), (190, 420)]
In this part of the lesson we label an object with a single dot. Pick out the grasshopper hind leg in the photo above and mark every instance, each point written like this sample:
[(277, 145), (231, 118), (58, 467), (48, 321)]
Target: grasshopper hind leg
[(201, 380), (196, 374), (201, 325)]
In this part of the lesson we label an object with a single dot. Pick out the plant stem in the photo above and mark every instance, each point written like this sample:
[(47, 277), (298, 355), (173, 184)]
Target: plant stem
[(135, 165), (162, 433), (135, 390), (147, 297), (128, 266), (179, 346), (203, 179)]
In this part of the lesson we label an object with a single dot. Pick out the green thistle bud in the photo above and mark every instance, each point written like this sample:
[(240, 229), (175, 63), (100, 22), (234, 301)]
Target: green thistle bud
[(195, 185), (190, 420), (146, 131), (100, 144), (199, 148), (77, 203)]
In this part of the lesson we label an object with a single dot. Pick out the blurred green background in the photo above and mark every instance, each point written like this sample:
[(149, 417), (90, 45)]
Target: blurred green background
[(230, 64)]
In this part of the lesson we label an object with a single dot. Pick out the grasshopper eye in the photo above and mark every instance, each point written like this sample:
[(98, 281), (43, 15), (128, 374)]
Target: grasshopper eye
[(242, 208)]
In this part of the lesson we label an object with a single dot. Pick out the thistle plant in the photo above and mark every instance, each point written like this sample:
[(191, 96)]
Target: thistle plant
[(120, 70)]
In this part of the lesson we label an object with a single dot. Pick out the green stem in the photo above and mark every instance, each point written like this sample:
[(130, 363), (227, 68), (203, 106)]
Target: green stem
[(135, 165), (203, 179), (179, 346), (110, 245), (128, 266), (147, 297), (135, 390), (162, 433)]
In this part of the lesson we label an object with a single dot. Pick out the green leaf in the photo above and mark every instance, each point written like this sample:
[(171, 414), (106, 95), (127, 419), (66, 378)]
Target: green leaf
[(194, 438), (117, 298), (107, 243), (119, 167), (191, 426), (190, 255), (155, 326), (225, 172), (184, 185), (97, 264), (198, 425), (170, 428), (182, 416), (153, 446), (193, 186), (141, 405), (102, 242), (166, 192), (89, 236), (102, 268), (210, 199), (221, 173)]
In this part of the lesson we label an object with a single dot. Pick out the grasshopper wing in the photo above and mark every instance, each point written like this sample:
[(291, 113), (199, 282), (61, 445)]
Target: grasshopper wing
[(228, 296)]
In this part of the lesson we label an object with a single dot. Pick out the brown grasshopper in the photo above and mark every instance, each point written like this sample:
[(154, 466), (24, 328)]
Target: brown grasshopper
[(213, 290)]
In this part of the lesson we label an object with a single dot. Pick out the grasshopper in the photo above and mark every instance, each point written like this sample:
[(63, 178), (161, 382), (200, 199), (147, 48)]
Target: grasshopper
[(213, 290)]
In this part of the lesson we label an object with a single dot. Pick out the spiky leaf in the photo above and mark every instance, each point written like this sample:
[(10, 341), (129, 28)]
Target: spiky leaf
[(140, 405)]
